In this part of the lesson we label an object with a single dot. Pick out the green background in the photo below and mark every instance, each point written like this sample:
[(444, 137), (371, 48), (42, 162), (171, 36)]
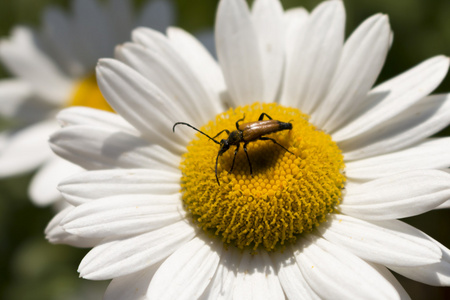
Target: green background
[(31, 268)]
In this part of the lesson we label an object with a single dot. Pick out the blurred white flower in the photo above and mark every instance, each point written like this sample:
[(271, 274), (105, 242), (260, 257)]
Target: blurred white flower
[(162, 228), (53, 69)]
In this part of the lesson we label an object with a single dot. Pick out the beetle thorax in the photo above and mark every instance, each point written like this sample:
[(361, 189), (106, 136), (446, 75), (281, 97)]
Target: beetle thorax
[(235, 137)]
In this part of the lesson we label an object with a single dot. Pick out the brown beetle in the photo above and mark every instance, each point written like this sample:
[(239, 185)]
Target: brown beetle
[(245, 133)]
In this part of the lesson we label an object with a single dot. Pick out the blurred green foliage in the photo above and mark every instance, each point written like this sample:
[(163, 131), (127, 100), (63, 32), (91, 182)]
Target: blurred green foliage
[(31, 268)]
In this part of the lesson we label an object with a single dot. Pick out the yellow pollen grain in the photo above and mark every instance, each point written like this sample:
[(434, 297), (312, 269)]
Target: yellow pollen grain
[(88, 94), (288, 193)]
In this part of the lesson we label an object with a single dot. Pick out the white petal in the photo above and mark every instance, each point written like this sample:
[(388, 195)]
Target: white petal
[(430, 154), (157, 14), (94, 30), (362, 58), (267, 17), (81, 115), (187, 272), (122, 257), (434, 274), (62, 36), (396, 95), (256, 278), (224, 280), (294, 16), (141, 103), (402, 195), (43, 187), (444, 205), (13, 93), (403, 246), (91, 185), (101, 148), (172, 75), (133, 286), (392, 280), (420, 121), (55, 234), (24, 59), (294, 20), (291, 279), (238, 51), (3, 139), (124, 215), (27, 149), (207, 40), (199, 59), (121, 16), (344, 275), (17, 102), (316, 48)]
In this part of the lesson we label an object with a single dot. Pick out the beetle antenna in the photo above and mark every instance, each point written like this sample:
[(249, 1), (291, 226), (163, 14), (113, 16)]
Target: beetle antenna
[(189, 125)]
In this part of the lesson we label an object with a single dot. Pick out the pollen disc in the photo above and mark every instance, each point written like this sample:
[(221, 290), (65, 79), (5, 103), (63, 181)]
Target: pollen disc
[(286, 195)]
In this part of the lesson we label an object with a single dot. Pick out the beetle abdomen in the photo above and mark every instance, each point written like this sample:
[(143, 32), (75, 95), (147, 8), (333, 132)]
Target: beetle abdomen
[(284, 126), (254, 130)]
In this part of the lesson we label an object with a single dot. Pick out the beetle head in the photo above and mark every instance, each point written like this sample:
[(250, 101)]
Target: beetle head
[(224, 146)]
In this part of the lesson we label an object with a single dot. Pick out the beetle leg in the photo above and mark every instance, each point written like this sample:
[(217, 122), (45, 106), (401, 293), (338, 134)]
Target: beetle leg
[(237, 122), (248, 158), (225, 130), (217, 160), (263, 138), (234, 158), (262, 116)]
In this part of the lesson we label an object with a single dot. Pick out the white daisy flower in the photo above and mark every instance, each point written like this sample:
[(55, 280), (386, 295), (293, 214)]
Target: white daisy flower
[(55, 68), (316, 214)]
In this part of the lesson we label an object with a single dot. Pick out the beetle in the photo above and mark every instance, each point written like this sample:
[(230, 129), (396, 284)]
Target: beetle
[(245, 133)]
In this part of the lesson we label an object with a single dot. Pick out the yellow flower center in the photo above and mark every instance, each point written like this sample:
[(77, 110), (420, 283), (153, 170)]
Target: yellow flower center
[(286, 195), (88, 94)]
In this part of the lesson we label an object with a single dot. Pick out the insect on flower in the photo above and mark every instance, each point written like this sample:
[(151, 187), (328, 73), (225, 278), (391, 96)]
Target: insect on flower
[(245, 133)]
